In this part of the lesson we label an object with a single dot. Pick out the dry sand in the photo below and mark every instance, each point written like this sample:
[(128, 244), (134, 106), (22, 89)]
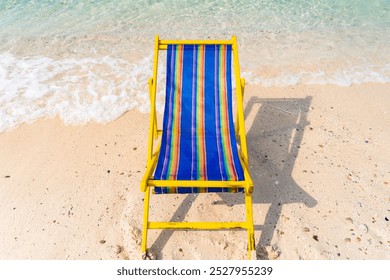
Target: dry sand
[(319, 157)]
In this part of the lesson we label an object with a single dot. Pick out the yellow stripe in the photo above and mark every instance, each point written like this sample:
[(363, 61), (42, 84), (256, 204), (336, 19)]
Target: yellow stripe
[(175, 141)]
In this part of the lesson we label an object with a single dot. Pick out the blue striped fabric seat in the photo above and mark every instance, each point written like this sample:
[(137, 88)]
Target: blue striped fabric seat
[(198, 140)]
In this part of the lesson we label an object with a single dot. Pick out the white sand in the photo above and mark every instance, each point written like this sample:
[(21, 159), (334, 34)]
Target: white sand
[(319, 158)]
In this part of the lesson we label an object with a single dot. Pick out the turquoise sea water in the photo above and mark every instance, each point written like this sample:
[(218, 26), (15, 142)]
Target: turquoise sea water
[(89, 60)]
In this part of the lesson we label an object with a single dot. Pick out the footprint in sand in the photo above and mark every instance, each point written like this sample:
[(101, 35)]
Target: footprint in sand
[(136, 235)]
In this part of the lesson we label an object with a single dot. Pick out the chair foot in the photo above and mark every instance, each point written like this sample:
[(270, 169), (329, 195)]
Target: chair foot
[(148, 256)]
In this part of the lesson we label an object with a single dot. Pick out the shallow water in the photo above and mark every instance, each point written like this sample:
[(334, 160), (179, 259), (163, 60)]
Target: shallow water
[(89, 60)]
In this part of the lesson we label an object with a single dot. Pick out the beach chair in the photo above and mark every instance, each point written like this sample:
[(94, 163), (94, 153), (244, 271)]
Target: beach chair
[(201, 148)]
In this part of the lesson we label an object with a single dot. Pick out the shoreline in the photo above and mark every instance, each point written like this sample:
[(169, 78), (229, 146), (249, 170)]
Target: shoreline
[(318, 158)]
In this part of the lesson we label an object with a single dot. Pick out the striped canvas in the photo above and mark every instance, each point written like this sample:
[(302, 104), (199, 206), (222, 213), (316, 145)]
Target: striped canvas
[(198, 140)]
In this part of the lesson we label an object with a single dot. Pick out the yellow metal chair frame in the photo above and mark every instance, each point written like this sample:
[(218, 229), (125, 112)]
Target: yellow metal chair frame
[(149, 182)]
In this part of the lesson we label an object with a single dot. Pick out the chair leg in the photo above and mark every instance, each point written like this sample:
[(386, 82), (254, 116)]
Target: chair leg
[(251, 231), (145, 224)]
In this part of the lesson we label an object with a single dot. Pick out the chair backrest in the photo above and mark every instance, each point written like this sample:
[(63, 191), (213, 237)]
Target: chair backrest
[(198, 139)]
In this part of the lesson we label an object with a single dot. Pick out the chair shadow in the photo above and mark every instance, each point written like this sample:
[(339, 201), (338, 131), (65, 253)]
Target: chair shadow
[(178, 216), (274, 139)]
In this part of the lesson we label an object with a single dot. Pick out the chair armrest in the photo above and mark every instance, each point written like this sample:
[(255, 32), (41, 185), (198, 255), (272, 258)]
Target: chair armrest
[(237, 127), (149, 171), (242, 82), (155, 129), (150, 166)]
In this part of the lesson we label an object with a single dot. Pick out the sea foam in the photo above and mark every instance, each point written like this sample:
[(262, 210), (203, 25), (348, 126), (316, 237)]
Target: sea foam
[(102, 89), (339, 77), (76, 90)]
